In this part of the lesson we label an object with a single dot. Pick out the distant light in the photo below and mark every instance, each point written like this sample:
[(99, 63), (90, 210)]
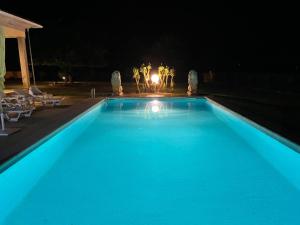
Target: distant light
[(64, 78), (155, 79)]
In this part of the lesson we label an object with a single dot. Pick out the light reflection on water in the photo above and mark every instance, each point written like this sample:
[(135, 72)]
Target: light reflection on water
[(157, 109), (153, 109)]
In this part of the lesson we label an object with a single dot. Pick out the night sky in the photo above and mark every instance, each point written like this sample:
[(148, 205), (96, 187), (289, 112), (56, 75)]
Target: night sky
[(223, 37)]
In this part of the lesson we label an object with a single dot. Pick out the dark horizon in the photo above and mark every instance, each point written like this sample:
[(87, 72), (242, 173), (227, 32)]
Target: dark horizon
[(222, 37)]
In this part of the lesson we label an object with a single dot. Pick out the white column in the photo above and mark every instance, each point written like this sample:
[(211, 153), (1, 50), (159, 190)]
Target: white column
[(23, 62)]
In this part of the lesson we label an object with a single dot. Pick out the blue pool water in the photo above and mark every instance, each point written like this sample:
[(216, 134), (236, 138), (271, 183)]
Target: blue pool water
[(182, 161)]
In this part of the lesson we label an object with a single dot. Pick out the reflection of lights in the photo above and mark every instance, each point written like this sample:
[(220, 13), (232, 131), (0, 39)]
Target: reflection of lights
[(155, 108), (64, 78), (155, 79)]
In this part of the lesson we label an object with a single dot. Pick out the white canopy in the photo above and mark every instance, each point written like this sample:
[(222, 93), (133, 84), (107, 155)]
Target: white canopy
[(12, 26)]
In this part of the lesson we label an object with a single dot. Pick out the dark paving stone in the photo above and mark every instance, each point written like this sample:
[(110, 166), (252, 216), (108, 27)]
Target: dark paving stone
[(42, 122)]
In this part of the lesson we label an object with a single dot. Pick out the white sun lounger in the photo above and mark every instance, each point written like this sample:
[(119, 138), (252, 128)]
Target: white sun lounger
[(13, 109), (14, 115), (14, 112), (43, 97)]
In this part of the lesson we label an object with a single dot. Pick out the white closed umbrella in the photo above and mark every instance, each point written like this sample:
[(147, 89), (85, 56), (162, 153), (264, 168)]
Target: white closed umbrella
[(3, 131), (2, 59), (2, 73)]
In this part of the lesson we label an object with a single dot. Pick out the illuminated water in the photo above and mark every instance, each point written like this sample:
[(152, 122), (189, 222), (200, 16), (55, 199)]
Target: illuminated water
[(146, 162)]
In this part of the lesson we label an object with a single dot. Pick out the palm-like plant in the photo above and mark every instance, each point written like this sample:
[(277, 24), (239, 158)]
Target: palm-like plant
[(144, 71), (137, 77), (172, 75), (166, 75), (148, 71)]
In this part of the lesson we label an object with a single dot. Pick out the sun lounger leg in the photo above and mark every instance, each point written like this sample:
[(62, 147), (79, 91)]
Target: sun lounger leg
[(28, 114)]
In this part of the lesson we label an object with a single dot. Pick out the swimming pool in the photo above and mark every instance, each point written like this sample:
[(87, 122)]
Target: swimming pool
[(167, 161)]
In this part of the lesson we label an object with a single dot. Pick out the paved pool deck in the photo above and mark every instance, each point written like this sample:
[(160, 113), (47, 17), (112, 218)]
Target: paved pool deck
[(42, 122)]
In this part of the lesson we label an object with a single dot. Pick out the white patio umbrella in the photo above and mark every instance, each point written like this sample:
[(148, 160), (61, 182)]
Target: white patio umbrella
[(2, 59), (2, 73), (3, 131)]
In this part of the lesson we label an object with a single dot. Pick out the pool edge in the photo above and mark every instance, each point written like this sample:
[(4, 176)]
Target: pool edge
[(28, 150), (32, 147), (292, 145)]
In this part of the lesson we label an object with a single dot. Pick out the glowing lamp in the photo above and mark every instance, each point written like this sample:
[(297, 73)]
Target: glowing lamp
[(155, 79), (64, 78)]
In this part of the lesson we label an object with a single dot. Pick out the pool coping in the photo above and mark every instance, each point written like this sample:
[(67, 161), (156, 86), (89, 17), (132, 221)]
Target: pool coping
[(28, 150), (273, 134)]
